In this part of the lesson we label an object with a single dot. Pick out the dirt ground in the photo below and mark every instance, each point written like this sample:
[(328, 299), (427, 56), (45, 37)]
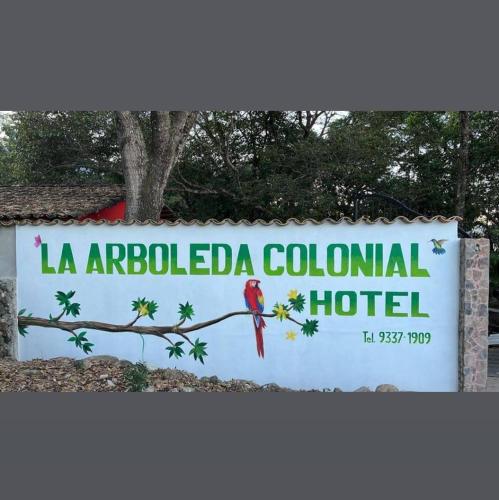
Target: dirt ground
[(107, 374)]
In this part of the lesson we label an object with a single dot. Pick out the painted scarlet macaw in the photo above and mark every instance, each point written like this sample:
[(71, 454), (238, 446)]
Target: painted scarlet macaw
[(253, 297)]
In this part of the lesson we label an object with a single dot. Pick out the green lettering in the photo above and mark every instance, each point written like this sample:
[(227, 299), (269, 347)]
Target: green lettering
[(314, 270), (46, 269), (267, 269), (378, 271), (176, 270), (153, 258), (331, 260), (215, 257), (371, 301), (396, 264), (338, 304), (94, 263), (415, 307), (416, 271), (67, 262), (243, 263), (115, 262), (365, 265), (390, 304), (196, 259), (134, 259), (302, 270), (315, 302)]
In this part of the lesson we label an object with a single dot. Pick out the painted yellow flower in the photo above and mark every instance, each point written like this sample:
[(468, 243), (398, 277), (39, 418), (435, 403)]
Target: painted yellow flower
[(280, 312), (143, 310), (291, 335), (293, 294)]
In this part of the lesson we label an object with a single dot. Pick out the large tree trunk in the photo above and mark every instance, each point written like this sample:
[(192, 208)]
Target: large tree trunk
[(463, 163), (147, 168)]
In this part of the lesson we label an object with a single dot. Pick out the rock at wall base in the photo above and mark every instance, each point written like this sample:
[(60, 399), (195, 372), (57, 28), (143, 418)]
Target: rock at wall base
[(387, 388), (87, 362)]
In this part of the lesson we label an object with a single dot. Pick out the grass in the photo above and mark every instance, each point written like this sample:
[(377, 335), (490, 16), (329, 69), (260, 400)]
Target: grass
[(136, 377)]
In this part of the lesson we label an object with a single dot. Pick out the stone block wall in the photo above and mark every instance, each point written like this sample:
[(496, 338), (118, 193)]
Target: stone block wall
[(473, 314), (8, 317)]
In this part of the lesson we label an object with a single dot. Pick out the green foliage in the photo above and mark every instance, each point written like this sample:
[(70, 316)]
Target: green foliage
[(186, 311), (198, 351), (273, 164), (79, 365), (81, 342), (64, 147), (310, 327), (298, 303), (23, 330), (73, 309), (153, 308), (136, 377), (145, 307), (63, 298), (494, 270), (176, 350), (69, 307)]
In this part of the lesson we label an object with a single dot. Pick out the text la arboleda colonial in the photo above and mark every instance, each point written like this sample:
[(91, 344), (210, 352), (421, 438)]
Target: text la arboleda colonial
[(336, 260)]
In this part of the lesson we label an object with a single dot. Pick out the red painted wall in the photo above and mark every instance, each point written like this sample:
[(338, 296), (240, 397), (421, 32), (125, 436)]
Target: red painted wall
[(116, 212)]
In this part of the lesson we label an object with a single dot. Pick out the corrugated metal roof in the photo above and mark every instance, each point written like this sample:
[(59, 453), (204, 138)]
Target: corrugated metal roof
[(343, 220)]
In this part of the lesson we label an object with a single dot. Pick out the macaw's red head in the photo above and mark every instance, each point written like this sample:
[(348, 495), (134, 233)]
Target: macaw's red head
[(252, 283)]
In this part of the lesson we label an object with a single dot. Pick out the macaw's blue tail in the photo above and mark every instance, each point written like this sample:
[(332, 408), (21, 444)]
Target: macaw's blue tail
[(438, 251)]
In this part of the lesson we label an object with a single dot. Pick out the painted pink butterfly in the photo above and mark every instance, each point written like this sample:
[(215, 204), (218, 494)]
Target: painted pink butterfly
[(38, 240)]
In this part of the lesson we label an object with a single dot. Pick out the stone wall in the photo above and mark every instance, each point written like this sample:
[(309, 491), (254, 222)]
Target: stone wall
[(473, 314), (8, 317)]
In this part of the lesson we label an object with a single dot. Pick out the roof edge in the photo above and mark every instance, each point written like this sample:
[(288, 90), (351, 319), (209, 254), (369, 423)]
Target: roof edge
[(276, 222)]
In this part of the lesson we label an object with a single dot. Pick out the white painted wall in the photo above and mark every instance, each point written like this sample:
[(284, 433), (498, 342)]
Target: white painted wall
[(335, 357)]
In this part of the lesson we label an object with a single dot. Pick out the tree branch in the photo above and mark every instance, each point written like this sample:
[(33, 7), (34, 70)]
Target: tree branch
[(157, 331)]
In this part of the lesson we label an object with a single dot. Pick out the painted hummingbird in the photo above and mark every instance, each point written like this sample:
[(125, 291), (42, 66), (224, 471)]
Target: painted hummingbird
[(438, 246)]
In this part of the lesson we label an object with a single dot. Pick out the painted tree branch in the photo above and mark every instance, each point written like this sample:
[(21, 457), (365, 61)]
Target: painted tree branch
[(158, 331), (143, 308)]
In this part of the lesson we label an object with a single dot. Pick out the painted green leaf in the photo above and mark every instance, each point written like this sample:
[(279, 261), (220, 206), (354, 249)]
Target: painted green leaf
[(198, 351), (63, 298), (176, 350), (145, 307), (73, 309), (186, 311), (310, 327), (298, 303), (87, 347), (81, 337), (153, 308), (137, 304)]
